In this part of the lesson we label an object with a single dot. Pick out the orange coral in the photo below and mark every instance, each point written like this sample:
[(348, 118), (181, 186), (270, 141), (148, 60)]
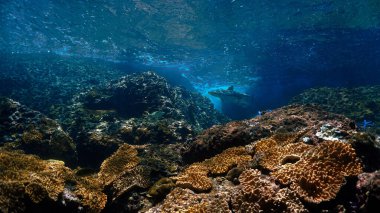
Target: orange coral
[(259, 193), (125, 158), (321, 171), (315, 173), (27, 177), (196, 177), (185, 200), (32, 136)]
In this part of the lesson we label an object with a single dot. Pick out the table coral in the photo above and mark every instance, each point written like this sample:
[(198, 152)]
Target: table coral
[(196, 178), (28, 182), (124, 159), (315, 173), (260, 193), (185, 200)]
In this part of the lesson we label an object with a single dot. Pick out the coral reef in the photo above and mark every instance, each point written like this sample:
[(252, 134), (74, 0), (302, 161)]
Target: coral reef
[(298, 172), (259, 193), (185, 200), (368, 195), (136, 109), (47, 82), (293, 159), (134, 95), (161, 188), (124, 159), (368, 149), (315, 173), (288, 119), (361, 103), (196, 178), (31, 131), (29, 183)]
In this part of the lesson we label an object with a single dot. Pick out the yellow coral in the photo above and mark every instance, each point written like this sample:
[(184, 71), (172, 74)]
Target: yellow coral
[(89, 189), (32, 136), (186, 201), (259, 193), (28, 177), (196, 177), (321, 171), (315, 173), (125, 158)]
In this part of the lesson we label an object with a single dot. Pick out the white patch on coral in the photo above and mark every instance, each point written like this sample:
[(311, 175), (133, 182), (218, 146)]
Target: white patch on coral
[(330, 133)]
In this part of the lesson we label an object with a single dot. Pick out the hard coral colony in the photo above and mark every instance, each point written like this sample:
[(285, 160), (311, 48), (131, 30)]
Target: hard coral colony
[(293, 159)]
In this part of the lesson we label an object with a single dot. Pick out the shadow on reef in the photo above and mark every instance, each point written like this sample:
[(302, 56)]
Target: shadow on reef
[(137, 109), (298, 158), (33, 132), (45, 82)]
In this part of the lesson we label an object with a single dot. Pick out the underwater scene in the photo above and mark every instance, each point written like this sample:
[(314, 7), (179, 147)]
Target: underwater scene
[(190, 106)]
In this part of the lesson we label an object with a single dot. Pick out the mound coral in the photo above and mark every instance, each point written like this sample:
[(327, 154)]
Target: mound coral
[(315, 173), (196, 178)]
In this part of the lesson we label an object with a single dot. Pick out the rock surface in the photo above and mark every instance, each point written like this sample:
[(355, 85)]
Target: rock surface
[(288, 119), (33, 132), (361, 103), (136, 109)]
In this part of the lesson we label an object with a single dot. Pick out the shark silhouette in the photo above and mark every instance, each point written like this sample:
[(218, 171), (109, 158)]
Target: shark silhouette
[(231, 99)]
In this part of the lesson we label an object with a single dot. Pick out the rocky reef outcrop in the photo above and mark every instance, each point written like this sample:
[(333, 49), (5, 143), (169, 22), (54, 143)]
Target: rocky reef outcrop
[(301, 159), (360, 103), (139, 145), (289, 119), (136, 109), (31, 131), (47, 82)]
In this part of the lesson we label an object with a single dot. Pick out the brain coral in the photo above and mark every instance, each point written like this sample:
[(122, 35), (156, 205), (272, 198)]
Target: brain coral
[(315, 173), (196, 177)]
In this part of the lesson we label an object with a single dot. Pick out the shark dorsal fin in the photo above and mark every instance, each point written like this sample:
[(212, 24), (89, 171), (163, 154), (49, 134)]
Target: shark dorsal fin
[(231, 88)]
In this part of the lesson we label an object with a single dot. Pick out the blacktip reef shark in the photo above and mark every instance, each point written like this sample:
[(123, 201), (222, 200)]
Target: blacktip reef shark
[(231, 97)]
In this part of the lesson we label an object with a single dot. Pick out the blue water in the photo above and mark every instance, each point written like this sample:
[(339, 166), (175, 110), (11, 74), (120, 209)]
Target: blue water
[(270, 50)]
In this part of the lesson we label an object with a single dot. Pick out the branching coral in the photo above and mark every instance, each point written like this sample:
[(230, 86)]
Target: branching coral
[(315, 173), (196, 177)]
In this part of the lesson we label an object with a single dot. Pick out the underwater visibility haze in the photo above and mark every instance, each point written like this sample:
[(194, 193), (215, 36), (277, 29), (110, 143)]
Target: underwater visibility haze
[(189, 106)]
